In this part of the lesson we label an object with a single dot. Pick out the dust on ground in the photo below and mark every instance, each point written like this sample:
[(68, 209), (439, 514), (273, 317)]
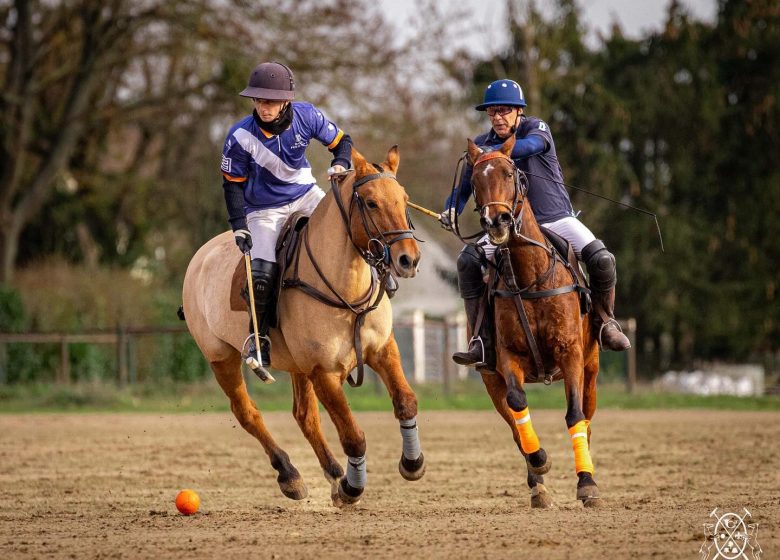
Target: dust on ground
[(103, 486)]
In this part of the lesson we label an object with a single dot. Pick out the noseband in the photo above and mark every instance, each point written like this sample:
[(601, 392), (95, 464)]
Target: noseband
[(377, 253), (520, 184)]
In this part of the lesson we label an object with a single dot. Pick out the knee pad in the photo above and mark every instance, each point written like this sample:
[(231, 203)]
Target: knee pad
[(601, 266), (263, 278), (470, 261)]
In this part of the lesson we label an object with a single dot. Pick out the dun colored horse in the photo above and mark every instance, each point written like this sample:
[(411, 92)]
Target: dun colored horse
[(534, 282), (315, 341)]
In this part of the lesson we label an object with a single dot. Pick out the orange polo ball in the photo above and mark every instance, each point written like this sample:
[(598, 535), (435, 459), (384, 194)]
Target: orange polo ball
[(187, 502)]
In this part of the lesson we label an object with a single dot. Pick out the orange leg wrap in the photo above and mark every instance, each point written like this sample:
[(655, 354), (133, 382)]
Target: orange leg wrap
[(528, 439), (579, 441)]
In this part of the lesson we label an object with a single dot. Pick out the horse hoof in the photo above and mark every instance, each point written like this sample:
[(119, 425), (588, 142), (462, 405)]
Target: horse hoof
[(539, 462), (540, 499), (347, 495), (294, 489), (412, 469), (587, 491)]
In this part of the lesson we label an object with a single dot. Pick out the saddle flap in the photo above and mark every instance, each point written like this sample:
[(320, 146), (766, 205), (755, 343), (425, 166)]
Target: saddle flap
[(286, 247), (566, 251)]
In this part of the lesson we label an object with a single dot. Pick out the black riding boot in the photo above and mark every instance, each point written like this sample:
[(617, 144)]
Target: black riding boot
[(263, 280), (603, 277), (482, 351)]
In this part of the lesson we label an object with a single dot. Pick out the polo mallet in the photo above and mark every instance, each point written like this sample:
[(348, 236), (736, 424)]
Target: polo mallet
[(425, 211), (258, 366)]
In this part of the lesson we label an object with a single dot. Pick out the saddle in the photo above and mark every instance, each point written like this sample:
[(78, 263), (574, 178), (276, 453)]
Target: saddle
[(287, 245), (566, 252)]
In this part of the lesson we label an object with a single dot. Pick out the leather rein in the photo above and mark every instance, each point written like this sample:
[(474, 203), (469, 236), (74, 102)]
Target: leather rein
[(376, 255), (505, 271)]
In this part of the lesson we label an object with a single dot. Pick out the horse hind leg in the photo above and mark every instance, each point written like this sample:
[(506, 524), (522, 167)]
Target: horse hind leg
[(327, 387), (496, 388), (228, 374), (307, 414), (387, 363)]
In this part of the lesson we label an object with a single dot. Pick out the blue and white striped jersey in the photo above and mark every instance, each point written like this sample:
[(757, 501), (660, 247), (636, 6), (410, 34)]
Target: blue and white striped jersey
[(274, 168)]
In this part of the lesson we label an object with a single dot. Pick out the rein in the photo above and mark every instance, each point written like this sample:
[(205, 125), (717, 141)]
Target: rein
[(377, 256), (504, 262)]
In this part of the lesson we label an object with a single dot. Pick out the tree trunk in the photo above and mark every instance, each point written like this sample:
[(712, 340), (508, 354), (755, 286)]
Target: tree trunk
[(9, 247)]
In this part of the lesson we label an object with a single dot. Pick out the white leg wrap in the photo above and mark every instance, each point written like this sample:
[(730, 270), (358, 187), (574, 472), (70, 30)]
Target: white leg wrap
[(411, 438), (356, 471)]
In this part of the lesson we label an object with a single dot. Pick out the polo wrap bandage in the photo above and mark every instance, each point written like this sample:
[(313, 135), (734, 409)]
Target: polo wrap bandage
[(579, 442), (528, 439)]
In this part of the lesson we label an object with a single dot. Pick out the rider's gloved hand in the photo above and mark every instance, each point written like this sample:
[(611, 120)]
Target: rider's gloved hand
[(447, 218), (335, 170), (243, 240)]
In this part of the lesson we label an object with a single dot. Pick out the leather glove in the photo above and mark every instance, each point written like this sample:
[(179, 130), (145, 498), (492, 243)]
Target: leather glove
[(243, 240), (447, 218)]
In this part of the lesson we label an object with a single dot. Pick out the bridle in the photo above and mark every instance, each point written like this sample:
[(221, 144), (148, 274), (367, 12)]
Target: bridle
[(520, 184), (377, 253)]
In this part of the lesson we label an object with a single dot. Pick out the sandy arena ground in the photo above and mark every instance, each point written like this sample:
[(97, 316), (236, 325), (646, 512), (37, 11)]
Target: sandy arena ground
[(103, 486)]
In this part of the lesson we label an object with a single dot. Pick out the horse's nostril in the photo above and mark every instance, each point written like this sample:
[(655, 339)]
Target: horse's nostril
[(505, 218), (405, 261)]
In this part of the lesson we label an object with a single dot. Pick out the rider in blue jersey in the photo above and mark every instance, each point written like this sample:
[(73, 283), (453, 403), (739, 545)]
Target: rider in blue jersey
[(534, 153), (266, 177)]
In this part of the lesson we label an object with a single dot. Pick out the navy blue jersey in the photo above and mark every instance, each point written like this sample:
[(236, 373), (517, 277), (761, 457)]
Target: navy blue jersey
[(547, 195), (274, 168)]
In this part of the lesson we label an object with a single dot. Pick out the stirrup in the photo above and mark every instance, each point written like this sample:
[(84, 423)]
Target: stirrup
[(612, 321), (255, 363), (478, 363)]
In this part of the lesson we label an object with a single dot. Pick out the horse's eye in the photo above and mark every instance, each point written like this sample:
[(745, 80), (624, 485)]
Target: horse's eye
[(371, 204)]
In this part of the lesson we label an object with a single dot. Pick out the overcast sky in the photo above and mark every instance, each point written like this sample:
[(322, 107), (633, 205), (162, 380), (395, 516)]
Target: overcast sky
[(487, 16)]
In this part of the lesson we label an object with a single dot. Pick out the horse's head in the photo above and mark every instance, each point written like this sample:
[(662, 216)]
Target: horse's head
[(498, 190), (380, 226)]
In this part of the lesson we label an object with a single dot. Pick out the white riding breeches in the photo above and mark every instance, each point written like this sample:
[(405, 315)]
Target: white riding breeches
[(570, 228), (265, 225)]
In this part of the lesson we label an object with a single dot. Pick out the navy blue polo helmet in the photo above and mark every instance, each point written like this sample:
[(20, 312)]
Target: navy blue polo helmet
[(502, 92)]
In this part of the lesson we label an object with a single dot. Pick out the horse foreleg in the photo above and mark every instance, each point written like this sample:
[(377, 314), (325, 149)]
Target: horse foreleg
[(496, 388), (307, 414), (515, 366), (387, 363), (579, 427), (228, 374), (328, 388), (589, 389)]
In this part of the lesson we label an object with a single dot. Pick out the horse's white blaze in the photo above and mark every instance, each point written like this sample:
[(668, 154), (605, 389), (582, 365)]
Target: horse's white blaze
[(488, 168)]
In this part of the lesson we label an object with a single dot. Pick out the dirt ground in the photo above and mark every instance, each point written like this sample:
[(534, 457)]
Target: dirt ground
[(103, 486)]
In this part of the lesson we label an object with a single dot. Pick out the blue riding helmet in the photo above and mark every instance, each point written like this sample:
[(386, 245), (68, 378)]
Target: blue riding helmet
[(502, 92)]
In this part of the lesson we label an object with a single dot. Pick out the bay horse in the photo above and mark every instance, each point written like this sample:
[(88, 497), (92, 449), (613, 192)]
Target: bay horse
[(540, 330), (315, 341)]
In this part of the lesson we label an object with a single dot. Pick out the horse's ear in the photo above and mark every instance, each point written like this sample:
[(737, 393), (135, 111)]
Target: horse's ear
[(393, 159), (474, 151), (362, 167), (508, 146)]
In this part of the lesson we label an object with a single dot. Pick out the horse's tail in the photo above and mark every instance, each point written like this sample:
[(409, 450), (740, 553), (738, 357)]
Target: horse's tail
[(180, 313)]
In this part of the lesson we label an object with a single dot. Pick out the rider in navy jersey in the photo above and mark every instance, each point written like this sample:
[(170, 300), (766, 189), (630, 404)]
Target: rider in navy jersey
[(534, 152), (266, 177)]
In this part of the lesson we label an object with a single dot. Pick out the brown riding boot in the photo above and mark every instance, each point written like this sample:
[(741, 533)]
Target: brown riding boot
[(605, 327), (602, 276)]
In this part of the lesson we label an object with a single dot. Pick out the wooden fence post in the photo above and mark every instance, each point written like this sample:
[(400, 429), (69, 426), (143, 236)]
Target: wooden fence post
[(418, 345), (446, 364), (631, 377), (461, 338), (121, 356)]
